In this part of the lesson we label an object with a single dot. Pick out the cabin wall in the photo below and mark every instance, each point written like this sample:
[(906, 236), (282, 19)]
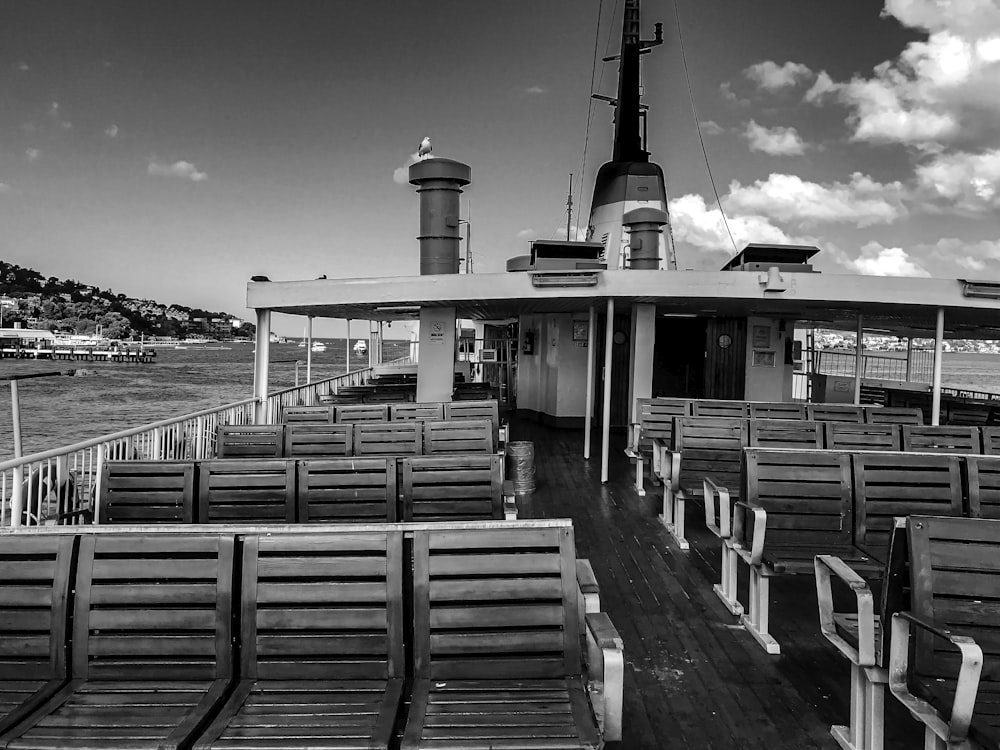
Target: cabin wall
[(769, 364), (552, 376)]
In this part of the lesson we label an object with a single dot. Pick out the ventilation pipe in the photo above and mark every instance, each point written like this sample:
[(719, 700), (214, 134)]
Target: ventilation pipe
[(439, 183), (644, 227)]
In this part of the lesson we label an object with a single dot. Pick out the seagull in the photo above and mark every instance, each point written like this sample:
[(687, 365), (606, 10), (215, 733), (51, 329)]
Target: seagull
[(425, 147)]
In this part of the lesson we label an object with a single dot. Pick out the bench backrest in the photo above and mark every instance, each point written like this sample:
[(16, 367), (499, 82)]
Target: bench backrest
[(893, 415), (327, 607), (235, 490), (954, 580), (361, 490), (991, 440), (718, 408), (520, 583), (454, 488), (34, 590), (389, 395), (458, 436), (766, 410), (901, 484), (983, 486), (806, 494), (250, 441), (941, 439), (388, 438), (147, 492), (862, 437), (362, 413), (656, 419), (835, 413), (476, 409), (785, 433), (417, 410), (311, 440), (318, 413), (143, 597), (710, 447)]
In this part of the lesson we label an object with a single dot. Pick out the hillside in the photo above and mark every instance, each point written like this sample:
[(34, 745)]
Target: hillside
[(70, 306)]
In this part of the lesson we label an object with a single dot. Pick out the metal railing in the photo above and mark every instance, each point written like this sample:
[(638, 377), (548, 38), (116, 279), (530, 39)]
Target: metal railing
[(876, 366)]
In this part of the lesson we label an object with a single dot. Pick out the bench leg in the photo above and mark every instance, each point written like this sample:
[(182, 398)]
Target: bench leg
[(726, 588), (756, 622), (875, 713), (673, 516), (640, 490), (932, 741)]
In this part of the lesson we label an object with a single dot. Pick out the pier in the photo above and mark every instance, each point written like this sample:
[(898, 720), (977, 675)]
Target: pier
[(80, 354)]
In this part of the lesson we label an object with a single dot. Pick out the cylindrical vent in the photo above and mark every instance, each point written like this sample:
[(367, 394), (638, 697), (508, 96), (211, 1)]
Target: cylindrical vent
[(644, 226), (521, 466), (439, 183)]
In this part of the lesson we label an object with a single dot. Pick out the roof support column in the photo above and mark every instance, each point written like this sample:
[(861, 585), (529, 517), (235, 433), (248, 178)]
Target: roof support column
[(588, 418), (309, 352), (348, 365), (859, 360), (436, 366), (261, 361), (909, 358), (606, 425), (643, 340), (936, 383)]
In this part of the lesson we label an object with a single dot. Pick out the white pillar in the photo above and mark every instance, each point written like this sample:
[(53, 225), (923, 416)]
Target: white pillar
[(436, 366), (936, 384), (260, 365), (909, 358), (859, 360), (588, 418), (309, 348), (348, 365), (609, 333), (17, 498), (643, 341)]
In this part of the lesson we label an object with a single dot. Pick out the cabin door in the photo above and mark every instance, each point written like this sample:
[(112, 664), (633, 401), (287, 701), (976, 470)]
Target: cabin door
[(679, 357), (725, 358), (499, 367), (620, 414)]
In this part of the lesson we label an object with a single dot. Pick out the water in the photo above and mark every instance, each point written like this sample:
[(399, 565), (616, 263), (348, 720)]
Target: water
[(108, 397)]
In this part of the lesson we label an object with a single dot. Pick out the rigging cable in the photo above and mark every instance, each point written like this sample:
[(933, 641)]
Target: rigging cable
[(697, 123)]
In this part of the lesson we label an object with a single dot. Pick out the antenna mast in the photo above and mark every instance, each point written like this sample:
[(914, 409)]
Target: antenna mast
[(569, 206)]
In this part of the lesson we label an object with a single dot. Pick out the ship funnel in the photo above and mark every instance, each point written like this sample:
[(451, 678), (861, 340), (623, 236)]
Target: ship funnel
[(644, 227), (439, 183)]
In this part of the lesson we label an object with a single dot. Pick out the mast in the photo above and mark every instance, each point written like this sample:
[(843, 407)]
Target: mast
[(629, 111)]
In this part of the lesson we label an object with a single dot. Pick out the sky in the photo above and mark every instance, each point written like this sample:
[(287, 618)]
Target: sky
[(172, 149)]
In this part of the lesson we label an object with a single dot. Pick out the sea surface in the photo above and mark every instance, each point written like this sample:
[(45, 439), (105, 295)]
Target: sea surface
[(102, 398), (106, 397)]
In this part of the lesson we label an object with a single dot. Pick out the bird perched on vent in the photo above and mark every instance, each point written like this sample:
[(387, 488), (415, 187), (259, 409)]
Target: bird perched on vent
[(425, 148)]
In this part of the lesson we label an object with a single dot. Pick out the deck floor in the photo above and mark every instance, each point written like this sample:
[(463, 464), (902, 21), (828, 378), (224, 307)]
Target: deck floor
[(693, 677)]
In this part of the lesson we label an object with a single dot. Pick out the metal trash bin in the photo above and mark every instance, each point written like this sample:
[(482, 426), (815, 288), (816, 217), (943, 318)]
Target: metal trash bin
[(521, 466)]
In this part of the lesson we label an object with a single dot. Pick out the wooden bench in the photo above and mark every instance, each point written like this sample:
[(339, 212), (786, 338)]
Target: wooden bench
[(388, 438), (861, 635), (361, 490), (362, 413), (654, 420), (944, 663), (765, 410), (318, 413), (319, 440), (719, 408), (250, 441), (455, 488), (893, 415), (152, 644), (798, 504), (457, 436), (417, 410), (835, 413), (146, 492), (246, 490), (844, 436), (983, 483), (480, 409), (497, 635), (941, 439), (322, 661), (991, 440), (35, 575)]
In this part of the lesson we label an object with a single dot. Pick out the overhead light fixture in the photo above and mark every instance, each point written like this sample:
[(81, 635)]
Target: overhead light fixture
[(983, 289), (563, 278), (398, 309)]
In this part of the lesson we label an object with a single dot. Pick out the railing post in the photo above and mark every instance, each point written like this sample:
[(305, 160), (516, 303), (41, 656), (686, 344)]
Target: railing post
[(936, 382), (98, 484)]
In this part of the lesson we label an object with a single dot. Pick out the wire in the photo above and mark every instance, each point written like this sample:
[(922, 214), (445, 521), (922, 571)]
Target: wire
[(590, 109), (697, 123)]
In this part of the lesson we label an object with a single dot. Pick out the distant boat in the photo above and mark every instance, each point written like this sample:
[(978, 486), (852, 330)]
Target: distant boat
[(360, 347), (318, 346)]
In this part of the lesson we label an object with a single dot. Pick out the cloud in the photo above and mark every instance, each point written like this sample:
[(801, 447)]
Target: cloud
[(730, 96), (711, 127), (696, 224), (536, 89), (971, 17), (54, 109), (32, 153), (183, 169), (876, 260), (5, 188), (777, 141), (529, 233), (969, 182), (770, 76), (789, 198), (23, 66), (111, 131), (578, 234), (401, 175), (66, 125)]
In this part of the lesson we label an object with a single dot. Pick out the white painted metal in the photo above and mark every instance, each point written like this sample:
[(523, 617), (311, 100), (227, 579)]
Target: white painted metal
[(588, 419), (859, 360), (609, 332), (936, 382), (261, 362)]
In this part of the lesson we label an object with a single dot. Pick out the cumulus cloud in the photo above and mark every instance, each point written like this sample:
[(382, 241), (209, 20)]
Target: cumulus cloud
[(695, 223), (789, 198), (32, 153), (969, 182), (711, 127), (770, 76), (111, 131), (971, 17), (23, 66), (730, 96), (777, 141), (183, 169), (54, 109), (876, 260)]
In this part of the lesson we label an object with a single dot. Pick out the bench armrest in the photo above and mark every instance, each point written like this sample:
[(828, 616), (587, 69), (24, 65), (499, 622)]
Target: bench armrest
[(718, 516), (586, 581), (668, 464), (826, 567), (955, 728), (606, 673), (740, 511), (632, 446), (509, 503)]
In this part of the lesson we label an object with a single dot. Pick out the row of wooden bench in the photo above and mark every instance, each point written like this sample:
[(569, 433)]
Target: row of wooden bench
[(486, 409), (930, 635), (796, 504), (410, 438), (708, 449), (282, 490), (240, 637)]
